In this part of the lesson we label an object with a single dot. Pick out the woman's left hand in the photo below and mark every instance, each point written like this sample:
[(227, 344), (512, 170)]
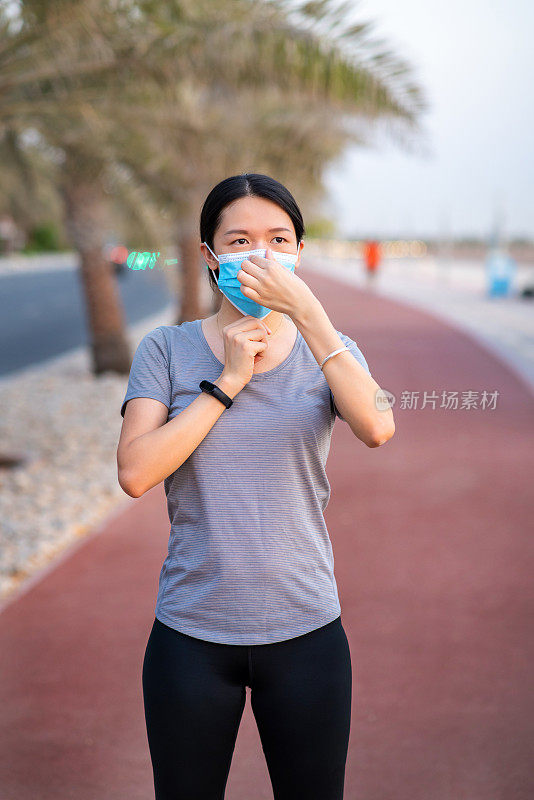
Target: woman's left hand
[(270, 284)]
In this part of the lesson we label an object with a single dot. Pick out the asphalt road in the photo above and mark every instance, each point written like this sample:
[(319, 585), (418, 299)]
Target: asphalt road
[(42, 314)]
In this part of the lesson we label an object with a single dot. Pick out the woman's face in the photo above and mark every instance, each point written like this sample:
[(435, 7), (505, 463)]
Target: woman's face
[(253, 223)]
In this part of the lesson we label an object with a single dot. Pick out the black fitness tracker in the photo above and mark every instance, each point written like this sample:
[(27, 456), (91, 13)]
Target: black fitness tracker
[(212, 388)]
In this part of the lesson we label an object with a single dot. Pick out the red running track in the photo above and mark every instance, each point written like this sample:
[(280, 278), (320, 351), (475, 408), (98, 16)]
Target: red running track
[(433, 546)]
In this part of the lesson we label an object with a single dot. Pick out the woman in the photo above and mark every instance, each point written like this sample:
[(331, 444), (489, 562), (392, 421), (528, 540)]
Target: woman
[(235, 414)]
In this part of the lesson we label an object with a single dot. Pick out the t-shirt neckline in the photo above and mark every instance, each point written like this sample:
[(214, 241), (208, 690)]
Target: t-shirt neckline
[(287, 360)]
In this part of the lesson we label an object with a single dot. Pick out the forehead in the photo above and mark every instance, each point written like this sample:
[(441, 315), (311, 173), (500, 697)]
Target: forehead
[(254, 215)]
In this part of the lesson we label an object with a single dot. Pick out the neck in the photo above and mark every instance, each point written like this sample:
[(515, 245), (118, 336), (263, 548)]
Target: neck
[(228, 314)]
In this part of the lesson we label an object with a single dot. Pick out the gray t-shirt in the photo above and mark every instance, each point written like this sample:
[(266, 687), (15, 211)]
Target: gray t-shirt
[(249, 556)]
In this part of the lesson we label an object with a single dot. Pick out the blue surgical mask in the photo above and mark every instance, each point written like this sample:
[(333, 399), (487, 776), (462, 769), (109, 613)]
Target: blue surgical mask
[(230, 285)]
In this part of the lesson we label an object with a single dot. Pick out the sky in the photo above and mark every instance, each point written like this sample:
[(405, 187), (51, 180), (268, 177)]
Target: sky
[(475, 61)]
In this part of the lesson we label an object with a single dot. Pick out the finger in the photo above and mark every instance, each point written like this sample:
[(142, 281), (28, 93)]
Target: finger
[(248, 279), (251, 268), (253, 295), (248, 322), (250, 291), (256, 335), (261, 262), (264, 325)]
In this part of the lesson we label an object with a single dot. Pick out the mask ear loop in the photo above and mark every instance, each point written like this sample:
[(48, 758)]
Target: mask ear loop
[(211, 251), (208, 266)]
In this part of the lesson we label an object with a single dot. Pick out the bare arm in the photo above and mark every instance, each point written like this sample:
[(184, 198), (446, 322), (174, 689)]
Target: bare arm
[(151, 449), (353, 388)]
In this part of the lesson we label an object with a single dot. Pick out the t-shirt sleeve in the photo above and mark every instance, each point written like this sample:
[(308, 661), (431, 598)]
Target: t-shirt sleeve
[(149, 372), (357, 353)]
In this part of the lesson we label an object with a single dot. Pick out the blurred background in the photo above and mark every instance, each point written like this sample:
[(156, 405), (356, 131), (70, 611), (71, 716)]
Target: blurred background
[(403, 130)]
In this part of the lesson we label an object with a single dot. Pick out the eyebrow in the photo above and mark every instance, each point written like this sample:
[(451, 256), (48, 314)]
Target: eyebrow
[(240, 230)]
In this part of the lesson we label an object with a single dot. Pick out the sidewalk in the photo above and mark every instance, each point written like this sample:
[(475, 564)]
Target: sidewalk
[(456, 292), (433, 555)]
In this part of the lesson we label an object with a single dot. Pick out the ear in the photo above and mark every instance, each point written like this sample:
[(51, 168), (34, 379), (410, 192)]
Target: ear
[(208, 258), (299, 253)]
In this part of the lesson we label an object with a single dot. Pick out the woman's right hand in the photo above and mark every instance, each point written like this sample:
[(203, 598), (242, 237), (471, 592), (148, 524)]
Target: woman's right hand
[(244, 343)]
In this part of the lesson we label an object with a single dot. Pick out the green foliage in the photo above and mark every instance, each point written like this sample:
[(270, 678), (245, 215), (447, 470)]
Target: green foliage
[(320, 228), (142, 120), (44, 238)]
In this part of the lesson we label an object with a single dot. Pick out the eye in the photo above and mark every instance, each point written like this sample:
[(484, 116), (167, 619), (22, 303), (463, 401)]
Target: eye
[(280, 237), (242, 239)]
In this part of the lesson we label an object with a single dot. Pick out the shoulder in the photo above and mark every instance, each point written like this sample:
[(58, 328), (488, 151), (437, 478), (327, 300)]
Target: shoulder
[(172, 336), (346, 339), (153, 341), (354, 348), (175, 346)]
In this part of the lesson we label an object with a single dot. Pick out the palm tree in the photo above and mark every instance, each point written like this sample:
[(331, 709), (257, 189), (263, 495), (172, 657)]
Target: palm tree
[(55, 60), (141, 92), (245, 128), (327, 97)]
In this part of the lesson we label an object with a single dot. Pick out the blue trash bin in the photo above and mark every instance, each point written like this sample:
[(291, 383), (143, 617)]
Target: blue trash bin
[(500, 270)]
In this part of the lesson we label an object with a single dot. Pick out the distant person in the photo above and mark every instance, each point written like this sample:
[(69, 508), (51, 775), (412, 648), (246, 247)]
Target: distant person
[(372, 256)]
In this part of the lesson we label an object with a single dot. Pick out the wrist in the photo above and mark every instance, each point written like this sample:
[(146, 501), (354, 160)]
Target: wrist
[(228, 385), (307, 312)]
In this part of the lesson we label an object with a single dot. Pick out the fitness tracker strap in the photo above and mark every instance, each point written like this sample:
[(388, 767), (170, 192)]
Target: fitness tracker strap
[(212, 388)]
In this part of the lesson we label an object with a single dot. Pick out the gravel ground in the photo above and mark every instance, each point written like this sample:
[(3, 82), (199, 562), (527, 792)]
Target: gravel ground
[(66, 423)]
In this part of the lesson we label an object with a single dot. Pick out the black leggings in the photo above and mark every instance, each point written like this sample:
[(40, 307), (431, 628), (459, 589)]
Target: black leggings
[(194, 695)]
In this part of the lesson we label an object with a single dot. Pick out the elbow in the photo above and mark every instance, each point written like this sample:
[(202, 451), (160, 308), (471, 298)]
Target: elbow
[(128, 481), (380, 436), (129, 487)]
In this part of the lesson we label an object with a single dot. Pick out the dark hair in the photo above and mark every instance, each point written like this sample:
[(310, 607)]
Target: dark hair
[(248, 184)]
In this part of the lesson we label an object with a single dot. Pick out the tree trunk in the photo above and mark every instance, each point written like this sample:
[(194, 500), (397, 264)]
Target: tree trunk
[(189, 265), (85, 221), (192, 278)]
